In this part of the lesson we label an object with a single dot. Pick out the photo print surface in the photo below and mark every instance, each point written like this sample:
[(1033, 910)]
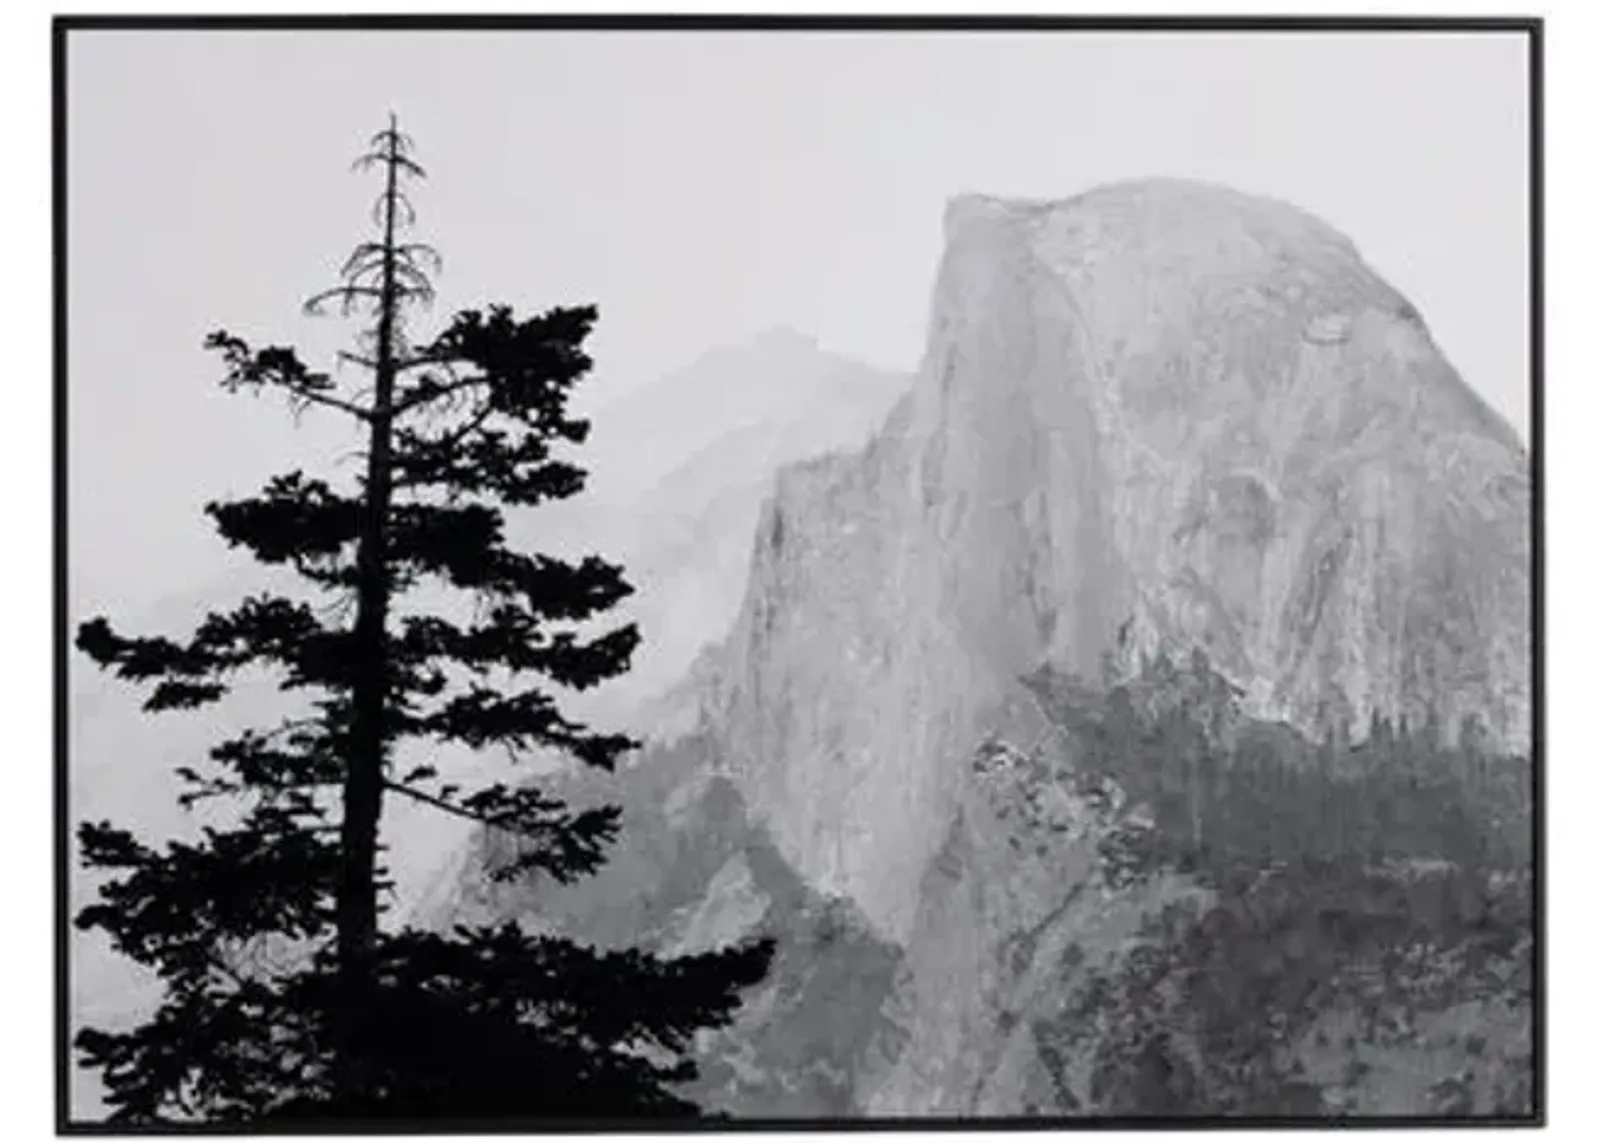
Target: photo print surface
[(773, 575)]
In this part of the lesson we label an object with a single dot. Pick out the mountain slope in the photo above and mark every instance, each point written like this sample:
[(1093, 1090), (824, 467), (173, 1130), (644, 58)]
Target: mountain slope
[(681, 469), (691, 872), (1159, 415), (1158, 419)]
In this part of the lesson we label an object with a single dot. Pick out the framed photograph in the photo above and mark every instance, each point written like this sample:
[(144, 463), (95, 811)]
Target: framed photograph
[(766, 572)]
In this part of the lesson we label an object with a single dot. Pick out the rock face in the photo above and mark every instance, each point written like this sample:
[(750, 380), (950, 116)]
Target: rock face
[(1018, 903), (1158, 417), (680, 471), (1161, 414)]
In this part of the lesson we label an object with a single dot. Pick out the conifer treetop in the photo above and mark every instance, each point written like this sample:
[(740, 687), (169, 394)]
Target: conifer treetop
[(353, 1020)]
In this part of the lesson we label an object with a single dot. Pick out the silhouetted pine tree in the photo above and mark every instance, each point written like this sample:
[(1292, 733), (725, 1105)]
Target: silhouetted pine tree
[(283, 995)]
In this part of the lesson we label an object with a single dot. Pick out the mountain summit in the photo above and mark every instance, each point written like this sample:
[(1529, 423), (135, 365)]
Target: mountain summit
[(1161, 415), (946, 759)]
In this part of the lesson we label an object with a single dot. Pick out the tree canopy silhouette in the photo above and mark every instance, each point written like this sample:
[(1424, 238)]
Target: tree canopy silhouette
[(284, 996)]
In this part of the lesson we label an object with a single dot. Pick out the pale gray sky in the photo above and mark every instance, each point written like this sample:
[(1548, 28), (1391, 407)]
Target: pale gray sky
[(700, 188)]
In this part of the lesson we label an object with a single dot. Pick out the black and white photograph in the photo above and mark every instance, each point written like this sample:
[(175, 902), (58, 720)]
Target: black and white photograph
[(735, 573)]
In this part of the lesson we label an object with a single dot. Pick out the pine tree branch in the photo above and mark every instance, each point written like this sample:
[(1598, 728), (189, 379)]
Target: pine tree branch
[(441, 803), (278, 368), (399, 366), (345, 294), (441, 450), (331, 402), (432, 394), (451, 441)]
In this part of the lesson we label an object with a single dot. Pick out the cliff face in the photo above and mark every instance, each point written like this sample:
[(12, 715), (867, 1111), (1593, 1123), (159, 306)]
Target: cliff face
[(680, 471), (1021, 901), (1158, 415)]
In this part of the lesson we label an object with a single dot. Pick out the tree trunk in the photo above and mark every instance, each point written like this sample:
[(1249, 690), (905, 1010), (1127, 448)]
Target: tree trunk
[(357, 902)]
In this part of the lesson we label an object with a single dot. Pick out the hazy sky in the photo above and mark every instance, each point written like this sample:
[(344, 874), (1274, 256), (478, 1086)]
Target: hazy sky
[(700, 188)]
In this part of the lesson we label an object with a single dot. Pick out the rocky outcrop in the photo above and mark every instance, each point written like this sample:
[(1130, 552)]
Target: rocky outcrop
[(1029, 892), (680, 471), (1161, 414), (1159, 417)]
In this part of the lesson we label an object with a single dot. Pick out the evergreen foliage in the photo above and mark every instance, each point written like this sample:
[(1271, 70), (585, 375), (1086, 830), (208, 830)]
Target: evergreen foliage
[(1371, 911), (284, 997)]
